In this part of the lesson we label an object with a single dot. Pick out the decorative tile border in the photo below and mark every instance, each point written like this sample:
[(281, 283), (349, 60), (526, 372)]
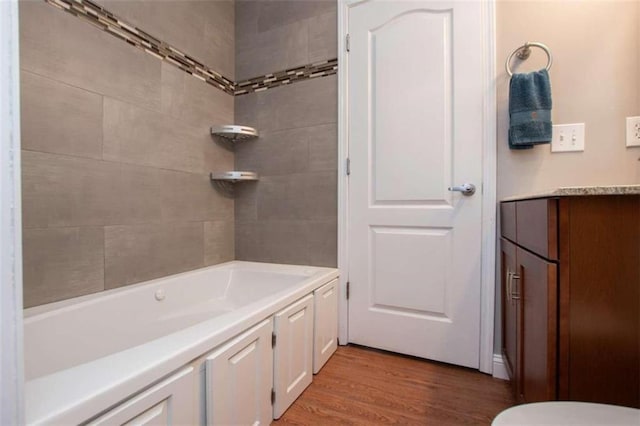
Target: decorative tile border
[(292, 75), (107, 21)]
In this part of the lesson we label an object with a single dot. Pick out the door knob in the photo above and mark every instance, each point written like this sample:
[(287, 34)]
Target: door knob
[(466, 189)]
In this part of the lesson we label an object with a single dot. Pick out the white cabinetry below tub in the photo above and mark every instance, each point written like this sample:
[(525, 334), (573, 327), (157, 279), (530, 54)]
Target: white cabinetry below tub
[(325, 325), (170, 402), (239, 379), (293, 354)]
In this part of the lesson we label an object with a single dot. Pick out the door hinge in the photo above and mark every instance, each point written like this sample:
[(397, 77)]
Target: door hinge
[(273, 396), (347, 43), (273, 340), (348, 166), (348, 289)]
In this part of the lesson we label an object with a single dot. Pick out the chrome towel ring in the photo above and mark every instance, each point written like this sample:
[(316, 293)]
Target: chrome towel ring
[(523, 52)]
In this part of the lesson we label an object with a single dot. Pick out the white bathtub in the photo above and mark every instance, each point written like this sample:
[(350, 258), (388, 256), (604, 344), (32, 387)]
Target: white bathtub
[(86, 354)]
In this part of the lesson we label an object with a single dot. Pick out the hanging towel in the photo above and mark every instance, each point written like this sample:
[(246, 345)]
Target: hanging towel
[(529, 109)]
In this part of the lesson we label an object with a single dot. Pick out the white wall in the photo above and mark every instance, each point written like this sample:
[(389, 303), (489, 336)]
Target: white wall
[(595, 79)]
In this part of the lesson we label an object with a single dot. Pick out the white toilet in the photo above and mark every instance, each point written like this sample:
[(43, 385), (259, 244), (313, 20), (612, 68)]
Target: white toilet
[(556, 413)]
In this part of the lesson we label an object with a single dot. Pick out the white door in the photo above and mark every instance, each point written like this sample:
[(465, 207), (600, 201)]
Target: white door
[(240, 378), (293, 354), (415, 129)]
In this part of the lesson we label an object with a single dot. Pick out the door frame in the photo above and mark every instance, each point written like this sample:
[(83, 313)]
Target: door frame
[(11, 360), (488, 191)]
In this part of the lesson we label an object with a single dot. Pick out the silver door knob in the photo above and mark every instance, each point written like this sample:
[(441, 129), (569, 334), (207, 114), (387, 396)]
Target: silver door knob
[(466, 189)]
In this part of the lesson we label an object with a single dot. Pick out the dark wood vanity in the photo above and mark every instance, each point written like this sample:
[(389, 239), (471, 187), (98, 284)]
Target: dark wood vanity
[(571, 297)]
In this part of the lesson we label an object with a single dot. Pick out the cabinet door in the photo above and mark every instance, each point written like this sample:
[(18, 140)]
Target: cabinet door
[(170, 402), (239, 379), (293, 355), (325, 330), (536, 286), (509, 313)]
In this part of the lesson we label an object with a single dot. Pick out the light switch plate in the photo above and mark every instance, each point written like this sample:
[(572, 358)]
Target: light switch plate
[(633, 131), (568, 138)]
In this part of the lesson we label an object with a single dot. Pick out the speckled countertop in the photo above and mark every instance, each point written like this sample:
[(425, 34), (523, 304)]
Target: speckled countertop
[(580, 190)]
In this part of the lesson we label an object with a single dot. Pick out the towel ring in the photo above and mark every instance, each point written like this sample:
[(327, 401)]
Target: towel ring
[(523, 52)]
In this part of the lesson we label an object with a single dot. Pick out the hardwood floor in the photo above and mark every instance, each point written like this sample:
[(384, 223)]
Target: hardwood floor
[(364, 386)]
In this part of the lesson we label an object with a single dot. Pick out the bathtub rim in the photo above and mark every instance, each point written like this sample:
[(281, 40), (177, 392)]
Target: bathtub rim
[(78, 399)]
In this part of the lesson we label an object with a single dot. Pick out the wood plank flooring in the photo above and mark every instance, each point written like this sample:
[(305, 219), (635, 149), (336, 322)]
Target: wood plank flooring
[(362, 386)]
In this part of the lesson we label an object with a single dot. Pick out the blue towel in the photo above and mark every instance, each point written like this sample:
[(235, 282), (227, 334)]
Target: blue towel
[(529, 109)]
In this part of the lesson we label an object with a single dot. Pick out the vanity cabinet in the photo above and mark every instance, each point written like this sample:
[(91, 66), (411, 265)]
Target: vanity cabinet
[(571, 298)]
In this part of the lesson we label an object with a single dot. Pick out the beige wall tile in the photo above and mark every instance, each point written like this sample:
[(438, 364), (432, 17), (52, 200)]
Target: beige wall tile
[(62, 263), (303, 104), (323, 36), (193, 101), (143, 252), (273, 14), (219, 244), (275, 153), (141, 136), (60, 46), (274, 50), (59, 118), (298, 196), (69, 191), (273, 241), (246, 202), (202, 29), (323, 147), (323, 242), (65, 191), (191, 197)]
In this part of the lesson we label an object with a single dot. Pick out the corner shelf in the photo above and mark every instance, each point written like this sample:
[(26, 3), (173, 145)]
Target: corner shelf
[(226, 180), (234, 177), (234, 133)]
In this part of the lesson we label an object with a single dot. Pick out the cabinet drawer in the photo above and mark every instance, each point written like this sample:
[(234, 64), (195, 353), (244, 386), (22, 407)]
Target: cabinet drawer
[(508, 220), (537, 226)]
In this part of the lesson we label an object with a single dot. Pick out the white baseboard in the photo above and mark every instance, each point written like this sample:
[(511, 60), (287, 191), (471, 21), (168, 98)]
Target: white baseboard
[(499, 370)]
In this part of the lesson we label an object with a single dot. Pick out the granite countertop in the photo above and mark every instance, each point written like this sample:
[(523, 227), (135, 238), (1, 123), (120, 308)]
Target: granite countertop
[(580, 190)]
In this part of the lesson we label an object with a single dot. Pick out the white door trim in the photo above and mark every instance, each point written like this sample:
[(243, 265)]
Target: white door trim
[(488, 186), (11, 363)]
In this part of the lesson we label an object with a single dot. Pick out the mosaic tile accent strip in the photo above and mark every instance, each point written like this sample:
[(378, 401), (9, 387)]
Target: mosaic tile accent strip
[(101, 18), (106, 21), (292, 75)]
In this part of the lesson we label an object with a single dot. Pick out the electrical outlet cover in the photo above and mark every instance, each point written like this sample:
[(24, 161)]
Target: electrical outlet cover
[(633, 131), (567, 137)]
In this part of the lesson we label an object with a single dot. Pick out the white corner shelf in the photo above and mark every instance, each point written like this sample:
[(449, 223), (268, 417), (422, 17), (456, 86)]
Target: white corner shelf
[(234, 133)]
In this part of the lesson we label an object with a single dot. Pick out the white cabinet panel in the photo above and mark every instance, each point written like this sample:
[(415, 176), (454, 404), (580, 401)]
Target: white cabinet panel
[(170, 402), (325, 331), (239, 379), (293, 362)]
